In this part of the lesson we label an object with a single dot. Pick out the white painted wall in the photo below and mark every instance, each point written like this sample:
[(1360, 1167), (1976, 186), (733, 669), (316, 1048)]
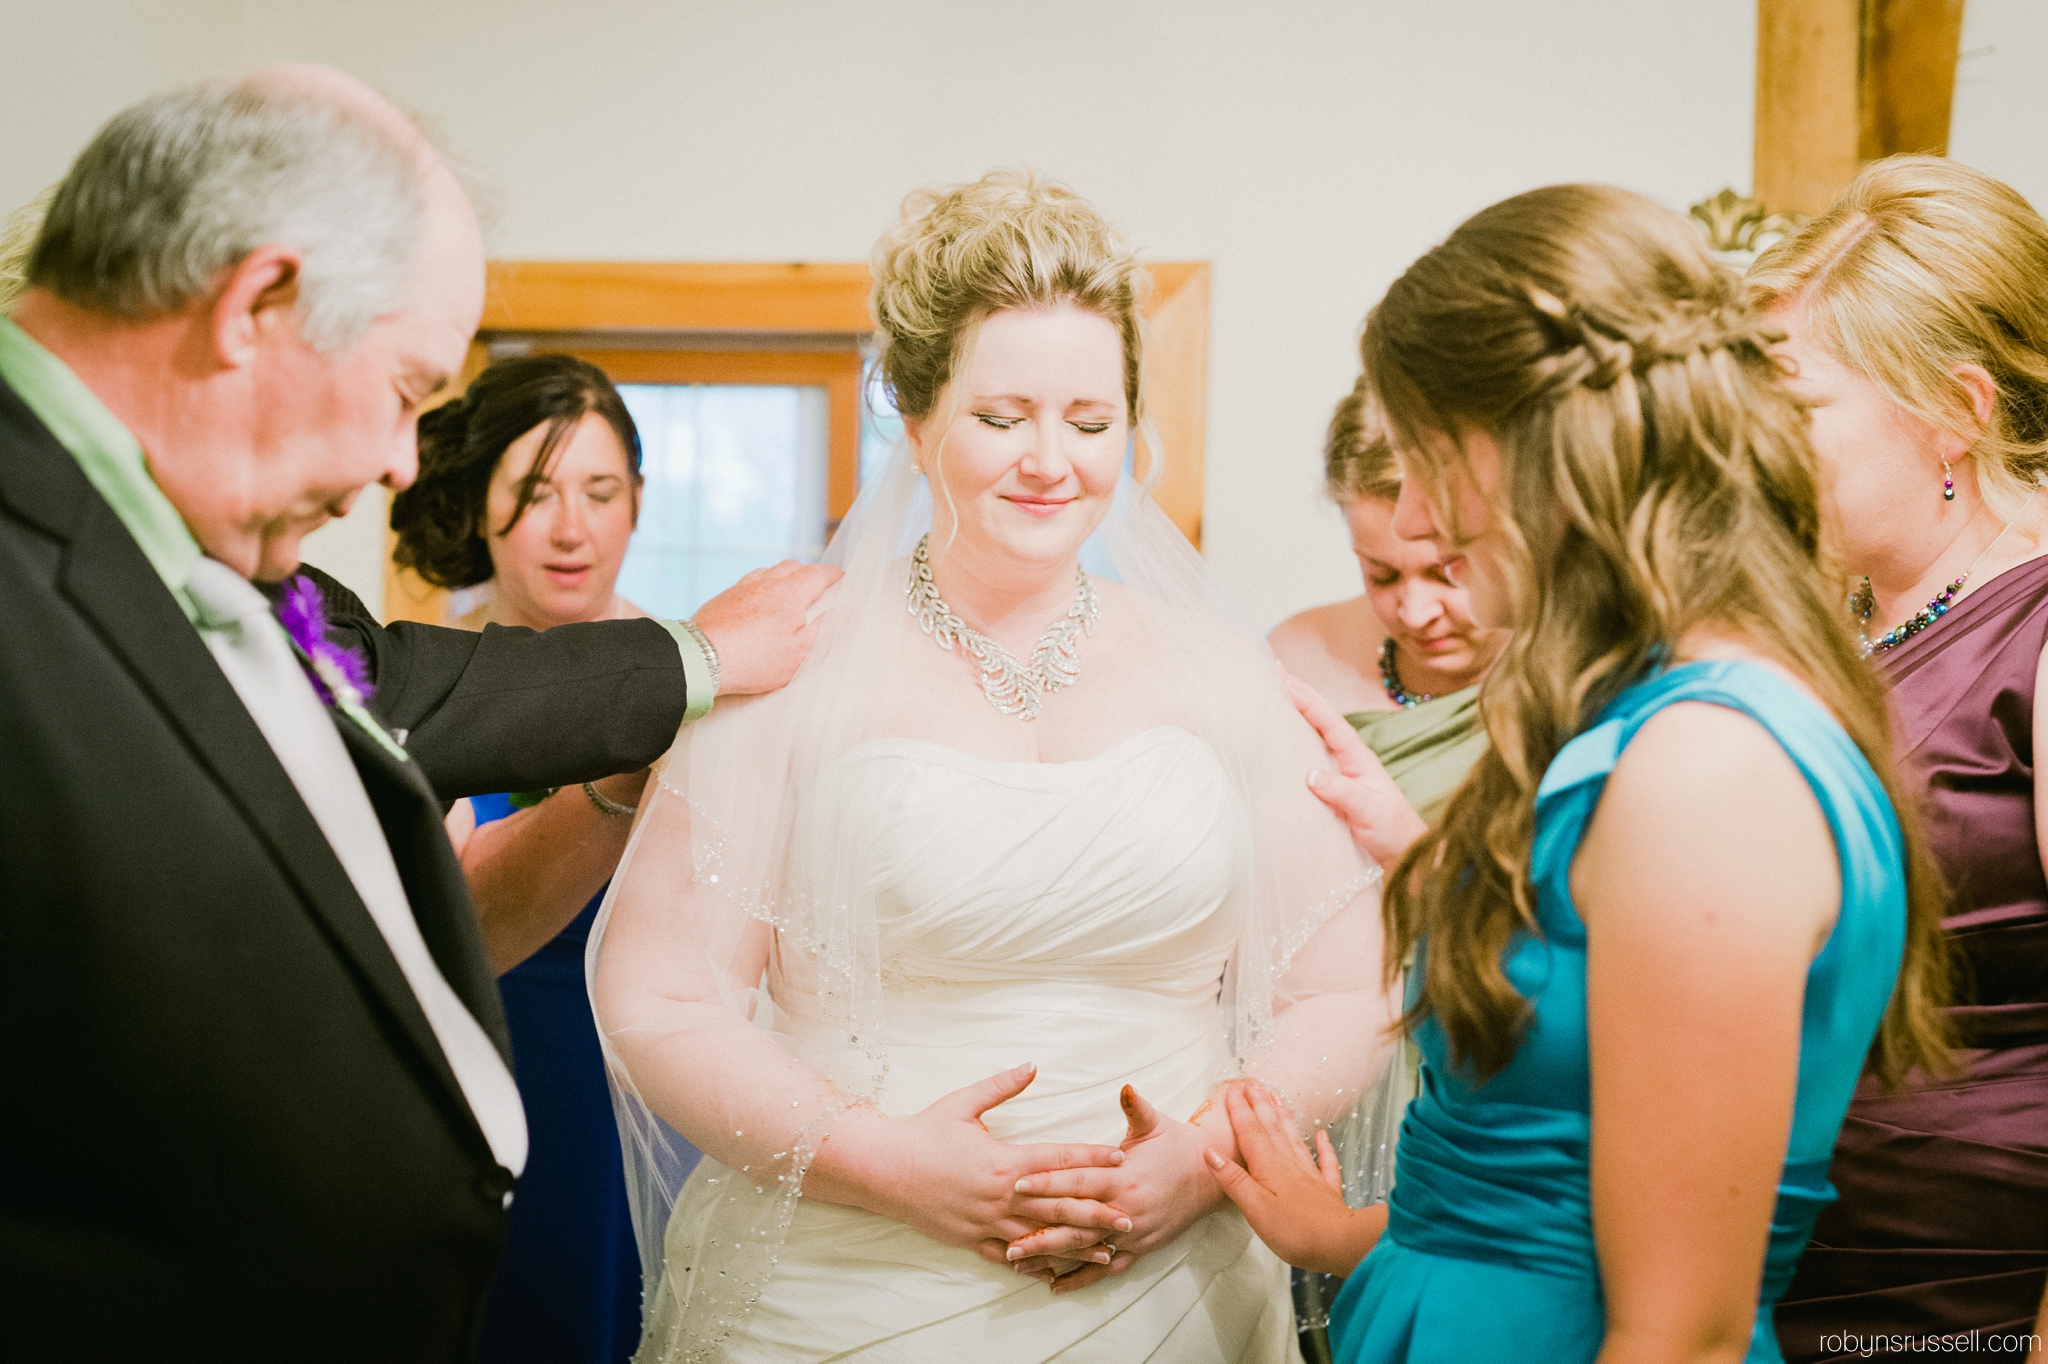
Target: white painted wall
[(1308, 150), (2000, 120)]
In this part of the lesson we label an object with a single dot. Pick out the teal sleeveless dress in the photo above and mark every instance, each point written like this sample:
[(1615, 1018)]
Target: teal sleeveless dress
[(1488, 1252)]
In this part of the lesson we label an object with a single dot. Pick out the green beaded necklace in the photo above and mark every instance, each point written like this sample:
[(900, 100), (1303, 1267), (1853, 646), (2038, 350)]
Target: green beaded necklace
[(1391, 680)]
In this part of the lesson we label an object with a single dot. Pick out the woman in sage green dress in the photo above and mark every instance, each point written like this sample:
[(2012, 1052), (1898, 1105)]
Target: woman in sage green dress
[(1402, 661)]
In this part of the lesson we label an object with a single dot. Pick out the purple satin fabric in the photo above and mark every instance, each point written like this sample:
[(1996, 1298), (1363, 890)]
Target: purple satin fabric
[(1942, 1226)]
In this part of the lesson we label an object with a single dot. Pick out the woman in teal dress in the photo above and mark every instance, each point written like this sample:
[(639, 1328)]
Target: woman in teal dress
[(1675, 905)]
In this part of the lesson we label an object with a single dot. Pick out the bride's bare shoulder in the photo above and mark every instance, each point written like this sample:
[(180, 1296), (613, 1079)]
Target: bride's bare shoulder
[(1174, 628)]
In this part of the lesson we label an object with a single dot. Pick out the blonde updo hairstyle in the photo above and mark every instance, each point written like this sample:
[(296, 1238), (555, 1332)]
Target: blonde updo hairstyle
[(1358, 459), (956, 256), (1655, 479), (1924, 265)]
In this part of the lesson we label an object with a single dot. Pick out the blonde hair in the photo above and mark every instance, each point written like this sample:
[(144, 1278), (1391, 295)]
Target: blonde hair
[(1924, 265), (1655, 478), (18, 244), (1009, 240), (1358, 459)]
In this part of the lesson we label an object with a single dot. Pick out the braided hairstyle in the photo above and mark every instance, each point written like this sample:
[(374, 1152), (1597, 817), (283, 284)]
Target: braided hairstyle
[(1655, 478), (440, 518)]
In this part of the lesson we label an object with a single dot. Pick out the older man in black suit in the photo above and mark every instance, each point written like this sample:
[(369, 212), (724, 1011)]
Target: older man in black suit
[(255, 1081)]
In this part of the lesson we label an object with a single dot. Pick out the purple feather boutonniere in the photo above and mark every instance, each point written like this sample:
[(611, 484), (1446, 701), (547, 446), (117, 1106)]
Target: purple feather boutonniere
[(338, 673)]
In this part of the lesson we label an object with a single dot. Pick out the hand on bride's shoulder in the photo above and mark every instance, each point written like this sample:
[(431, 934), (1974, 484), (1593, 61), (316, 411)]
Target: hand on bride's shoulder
[(1382, 822), (763, 626), (941, 1173)]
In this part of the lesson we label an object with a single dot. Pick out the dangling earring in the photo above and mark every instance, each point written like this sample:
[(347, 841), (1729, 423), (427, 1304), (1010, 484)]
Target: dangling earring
[(1948, 484)]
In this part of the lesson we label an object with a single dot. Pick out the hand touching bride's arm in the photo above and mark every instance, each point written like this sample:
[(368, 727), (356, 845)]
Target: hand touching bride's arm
[(676, 989)]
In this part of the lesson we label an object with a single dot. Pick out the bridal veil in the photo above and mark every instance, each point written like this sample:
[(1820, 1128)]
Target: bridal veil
[(733, 867)]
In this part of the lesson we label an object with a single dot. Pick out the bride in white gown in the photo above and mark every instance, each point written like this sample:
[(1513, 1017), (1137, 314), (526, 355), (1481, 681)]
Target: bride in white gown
[(942, 955)]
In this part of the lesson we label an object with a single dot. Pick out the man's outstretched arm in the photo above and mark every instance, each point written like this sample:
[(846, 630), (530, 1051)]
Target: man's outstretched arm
[(512, 709)]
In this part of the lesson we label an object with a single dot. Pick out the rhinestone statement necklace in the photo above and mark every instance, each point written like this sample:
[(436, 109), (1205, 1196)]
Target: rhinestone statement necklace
[(1011, 685), (1391, 680)]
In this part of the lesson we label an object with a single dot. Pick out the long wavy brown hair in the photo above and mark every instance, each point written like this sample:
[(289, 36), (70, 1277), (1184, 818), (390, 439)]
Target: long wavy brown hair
[(1655, 480)]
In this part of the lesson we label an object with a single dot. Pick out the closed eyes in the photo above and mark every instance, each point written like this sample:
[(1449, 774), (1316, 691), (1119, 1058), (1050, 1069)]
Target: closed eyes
[(1005, 423)]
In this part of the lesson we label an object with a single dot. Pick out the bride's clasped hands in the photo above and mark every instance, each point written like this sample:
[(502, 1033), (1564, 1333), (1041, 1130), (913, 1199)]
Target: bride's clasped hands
[(1157, 1182), (941, 1173), (1068, 1213)]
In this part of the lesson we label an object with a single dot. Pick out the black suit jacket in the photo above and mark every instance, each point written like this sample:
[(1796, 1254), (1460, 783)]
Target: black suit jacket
[(226, 1130)]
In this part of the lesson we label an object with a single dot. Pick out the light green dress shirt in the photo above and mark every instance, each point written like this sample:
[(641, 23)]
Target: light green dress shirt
[(108, 453)]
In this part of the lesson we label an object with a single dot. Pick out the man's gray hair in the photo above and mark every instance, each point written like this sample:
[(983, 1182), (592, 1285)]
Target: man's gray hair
[(186, 184)]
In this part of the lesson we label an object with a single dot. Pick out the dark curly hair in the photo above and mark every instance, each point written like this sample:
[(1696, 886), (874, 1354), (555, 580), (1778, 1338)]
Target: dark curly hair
[(440, 518)]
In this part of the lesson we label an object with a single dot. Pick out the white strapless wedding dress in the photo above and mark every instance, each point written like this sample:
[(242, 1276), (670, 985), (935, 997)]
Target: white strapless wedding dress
[(1078, 915)]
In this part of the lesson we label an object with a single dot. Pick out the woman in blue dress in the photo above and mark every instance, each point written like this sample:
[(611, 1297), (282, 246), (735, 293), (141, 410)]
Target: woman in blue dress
[(1677, 902), (528, 492)]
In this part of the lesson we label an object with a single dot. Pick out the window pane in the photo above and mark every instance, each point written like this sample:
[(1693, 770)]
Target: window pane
[(735, 480), (880, 428)]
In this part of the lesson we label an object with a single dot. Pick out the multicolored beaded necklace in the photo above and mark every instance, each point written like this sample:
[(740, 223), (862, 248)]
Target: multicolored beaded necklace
[(1863, 602), (1391, 680)]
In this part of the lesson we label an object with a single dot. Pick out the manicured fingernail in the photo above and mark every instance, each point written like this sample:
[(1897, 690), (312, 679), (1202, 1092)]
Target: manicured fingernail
[(1123, 1224), (1317, 776), (1116, 1157), (1023, 1186), (1015, 1254), (1100, 1257), (1215, 1161)]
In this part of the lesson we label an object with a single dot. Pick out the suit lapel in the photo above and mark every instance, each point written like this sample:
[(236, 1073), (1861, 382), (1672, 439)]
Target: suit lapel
[(410, 814), (106, 576)]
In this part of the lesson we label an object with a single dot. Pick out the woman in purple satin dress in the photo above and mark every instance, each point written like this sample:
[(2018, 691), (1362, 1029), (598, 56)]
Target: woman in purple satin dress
[(1916, 314)]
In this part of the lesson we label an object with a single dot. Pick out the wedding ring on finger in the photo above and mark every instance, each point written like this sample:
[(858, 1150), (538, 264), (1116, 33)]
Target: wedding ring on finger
[(1110, 1248)]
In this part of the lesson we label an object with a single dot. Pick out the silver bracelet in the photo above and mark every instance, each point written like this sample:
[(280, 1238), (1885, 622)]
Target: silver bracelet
[(607, 806), (710, 651), (698, 706)]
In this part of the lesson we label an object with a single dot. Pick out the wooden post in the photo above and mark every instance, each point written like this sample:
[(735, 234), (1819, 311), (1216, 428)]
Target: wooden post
[(1843, 82), (1807, 120), (1909, 75)]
